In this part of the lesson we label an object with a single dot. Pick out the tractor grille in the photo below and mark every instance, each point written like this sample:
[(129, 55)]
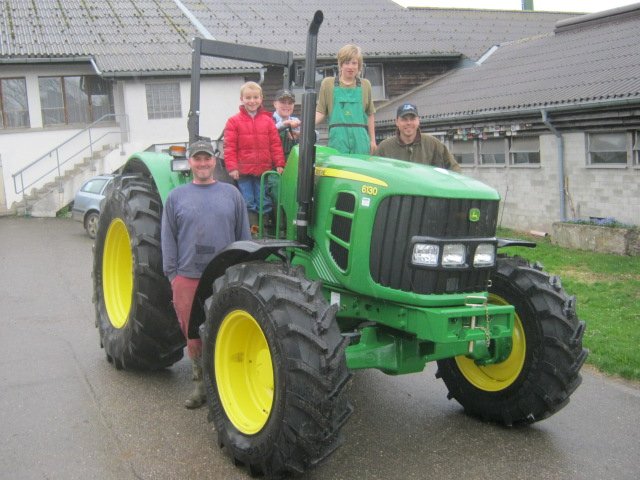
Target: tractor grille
[(400, 218)]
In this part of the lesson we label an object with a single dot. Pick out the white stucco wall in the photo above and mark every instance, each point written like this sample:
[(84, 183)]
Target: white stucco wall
[(219, 99), (3, 197), (20, 147)]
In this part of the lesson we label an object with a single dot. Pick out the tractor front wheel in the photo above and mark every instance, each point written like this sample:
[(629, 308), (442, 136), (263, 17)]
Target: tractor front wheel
[(275, 369), (542, 370), (137, 323)]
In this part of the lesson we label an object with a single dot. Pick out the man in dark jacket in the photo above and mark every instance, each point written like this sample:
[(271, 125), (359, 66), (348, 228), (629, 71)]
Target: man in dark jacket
[(413, 146)]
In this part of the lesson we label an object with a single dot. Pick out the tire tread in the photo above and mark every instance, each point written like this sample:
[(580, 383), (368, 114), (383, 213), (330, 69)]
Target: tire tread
[(315, 404), (551, 372), (151, 338)]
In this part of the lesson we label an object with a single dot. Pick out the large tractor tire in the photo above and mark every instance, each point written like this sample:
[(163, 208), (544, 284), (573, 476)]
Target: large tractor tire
[(275, 369), (542, 370), (134, 314)]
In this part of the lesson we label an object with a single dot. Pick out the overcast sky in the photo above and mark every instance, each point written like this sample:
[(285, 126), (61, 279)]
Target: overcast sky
[(542, 5)]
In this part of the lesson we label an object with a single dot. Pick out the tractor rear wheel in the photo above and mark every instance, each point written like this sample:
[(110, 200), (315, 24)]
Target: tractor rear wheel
[(542, 370), (137, 323), (274, 368)]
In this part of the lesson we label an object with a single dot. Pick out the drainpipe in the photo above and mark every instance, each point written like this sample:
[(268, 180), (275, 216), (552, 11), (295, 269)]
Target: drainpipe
[(92, 61), (560, 146)]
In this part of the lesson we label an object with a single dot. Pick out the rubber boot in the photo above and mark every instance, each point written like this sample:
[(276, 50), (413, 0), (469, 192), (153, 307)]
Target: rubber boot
[(198, 396)]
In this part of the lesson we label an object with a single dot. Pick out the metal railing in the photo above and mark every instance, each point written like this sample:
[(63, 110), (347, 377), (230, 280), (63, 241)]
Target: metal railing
[(89, 139)]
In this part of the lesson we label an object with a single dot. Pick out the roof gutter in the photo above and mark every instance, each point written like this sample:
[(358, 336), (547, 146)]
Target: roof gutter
[(561, 168), (34, 60), (532, 110), (181, 73), (22, 60), (408, 57)]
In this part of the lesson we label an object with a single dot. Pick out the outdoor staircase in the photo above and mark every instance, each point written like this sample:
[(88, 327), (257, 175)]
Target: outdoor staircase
[(50, 182), (50, 198)]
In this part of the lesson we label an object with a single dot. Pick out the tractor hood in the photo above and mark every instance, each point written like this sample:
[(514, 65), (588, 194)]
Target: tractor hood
[(398, 176)]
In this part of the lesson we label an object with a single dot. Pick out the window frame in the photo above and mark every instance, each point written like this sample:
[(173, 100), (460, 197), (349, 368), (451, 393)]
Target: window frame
[(504, 154), (166, 111), (5, 124), (515, 150), (635, 148), (378, 92), (474, 151), (605, 164), (89, 107)]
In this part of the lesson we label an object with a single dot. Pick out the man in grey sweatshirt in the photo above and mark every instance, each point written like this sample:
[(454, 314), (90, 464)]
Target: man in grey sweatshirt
[(199, 220)]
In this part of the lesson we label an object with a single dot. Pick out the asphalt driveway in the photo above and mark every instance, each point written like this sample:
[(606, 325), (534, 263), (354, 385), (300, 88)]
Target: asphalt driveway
[(65, 413)]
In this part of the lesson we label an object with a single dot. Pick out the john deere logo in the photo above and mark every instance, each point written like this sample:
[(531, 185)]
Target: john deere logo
[(474, 214)]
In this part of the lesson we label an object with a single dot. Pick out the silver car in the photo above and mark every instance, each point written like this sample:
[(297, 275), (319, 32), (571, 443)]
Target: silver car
[(86, 204)]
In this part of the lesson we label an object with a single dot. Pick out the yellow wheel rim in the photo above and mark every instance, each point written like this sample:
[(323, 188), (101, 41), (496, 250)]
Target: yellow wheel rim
[(117, 273), (244, 372), (496, 377)]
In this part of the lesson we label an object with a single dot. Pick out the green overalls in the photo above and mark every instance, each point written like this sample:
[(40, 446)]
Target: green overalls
[(348, 130)]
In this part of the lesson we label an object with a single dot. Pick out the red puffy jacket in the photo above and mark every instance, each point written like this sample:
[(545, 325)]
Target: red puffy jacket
[(252, 144)]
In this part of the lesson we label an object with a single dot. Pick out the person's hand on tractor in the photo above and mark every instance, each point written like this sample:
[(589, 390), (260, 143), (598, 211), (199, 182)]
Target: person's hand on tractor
[(293, 123)]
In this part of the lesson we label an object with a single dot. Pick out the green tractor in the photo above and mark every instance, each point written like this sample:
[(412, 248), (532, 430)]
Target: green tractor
[(381, 264)]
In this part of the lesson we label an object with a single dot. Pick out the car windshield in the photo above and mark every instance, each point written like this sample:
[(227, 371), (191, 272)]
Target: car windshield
[(95, 185)]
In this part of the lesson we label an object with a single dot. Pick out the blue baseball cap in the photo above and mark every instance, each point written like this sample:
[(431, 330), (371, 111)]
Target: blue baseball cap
[(407, 109)]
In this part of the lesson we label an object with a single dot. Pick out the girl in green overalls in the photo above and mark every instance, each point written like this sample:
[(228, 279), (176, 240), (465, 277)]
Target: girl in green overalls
[(348, 104)]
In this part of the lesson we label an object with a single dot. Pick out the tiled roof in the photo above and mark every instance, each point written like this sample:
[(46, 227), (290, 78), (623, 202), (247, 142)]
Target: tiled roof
[(154, 35), (582, 63), (381, 28), (121, 35)]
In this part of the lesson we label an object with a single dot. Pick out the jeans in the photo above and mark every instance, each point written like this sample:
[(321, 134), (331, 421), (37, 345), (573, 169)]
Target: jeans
[(250, 188)]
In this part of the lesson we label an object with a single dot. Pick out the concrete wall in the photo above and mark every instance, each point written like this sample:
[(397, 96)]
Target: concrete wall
[(531, 194), (621, 241)]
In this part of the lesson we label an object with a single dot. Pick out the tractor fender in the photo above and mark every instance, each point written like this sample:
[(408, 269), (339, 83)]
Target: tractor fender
[(237, 252), (157, 166)]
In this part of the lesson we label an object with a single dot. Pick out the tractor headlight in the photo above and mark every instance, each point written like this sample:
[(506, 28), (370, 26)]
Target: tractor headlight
[(180, 165), (454, 255), (485, 255), (425, 254)]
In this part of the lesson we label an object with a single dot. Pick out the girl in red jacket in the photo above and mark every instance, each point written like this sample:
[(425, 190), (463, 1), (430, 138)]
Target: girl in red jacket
[(252, 146)]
